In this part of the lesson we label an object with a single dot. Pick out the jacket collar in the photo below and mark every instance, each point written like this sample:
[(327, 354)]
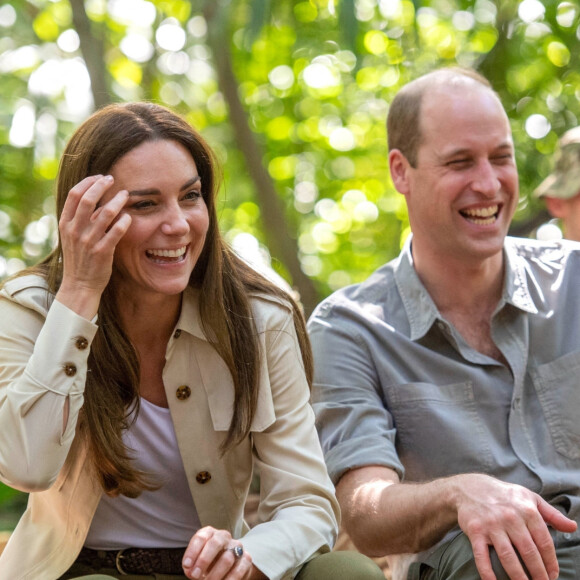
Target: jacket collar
[(190, 318)]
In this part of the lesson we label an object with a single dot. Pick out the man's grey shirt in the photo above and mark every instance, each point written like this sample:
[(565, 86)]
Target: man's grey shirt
[(396, 384)]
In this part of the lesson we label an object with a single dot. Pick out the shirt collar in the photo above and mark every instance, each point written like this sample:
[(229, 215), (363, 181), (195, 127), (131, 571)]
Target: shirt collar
[(422, 312), (419, 306), (516, 290)]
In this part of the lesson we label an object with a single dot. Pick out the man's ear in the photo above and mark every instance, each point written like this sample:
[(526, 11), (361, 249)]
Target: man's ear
[(399, 167), (556, 206)]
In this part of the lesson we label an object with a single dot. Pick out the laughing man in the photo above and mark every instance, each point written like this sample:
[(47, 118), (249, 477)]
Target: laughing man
[(447, 385)]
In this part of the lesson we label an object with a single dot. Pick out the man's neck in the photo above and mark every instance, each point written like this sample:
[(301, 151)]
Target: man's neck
[(466, 295), (459, 285)]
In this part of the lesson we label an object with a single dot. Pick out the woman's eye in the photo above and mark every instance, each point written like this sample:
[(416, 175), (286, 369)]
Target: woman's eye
[(193, 195), (145, 204)]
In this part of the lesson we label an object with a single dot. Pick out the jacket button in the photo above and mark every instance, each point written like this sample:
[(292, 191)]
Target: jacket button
[(70, 370), (81, 343), (183, 392), (203, 477), (177, 333)]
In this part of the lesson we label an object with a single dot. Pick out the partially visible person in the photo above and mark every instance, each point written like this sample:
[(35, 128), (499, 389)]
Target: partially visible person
[(561, 189), (146, 372), (447, 385)]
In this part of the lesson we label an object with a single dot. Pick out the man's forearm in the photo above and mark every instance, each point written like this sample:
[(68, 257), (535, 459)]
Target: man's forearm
[(383, 516)]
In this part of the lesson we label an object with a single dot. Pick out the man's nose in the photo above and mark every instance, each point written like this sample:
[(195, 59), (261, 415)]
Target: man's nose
[(486, 180)]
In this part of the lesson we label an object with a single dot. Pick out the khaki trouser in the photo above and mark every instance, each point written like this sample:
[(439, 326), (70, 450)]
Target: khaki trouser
[(453, 560)]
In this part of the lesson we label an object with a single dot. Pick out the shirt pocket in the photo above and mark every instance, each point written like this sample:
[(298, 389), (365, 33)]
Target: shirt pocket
[(557, 385), (439, 431)]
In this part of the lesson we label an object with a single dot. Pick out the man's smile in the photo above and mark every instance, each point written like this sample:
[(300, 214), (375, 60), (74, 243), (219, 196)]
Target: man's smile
[(481, 216)]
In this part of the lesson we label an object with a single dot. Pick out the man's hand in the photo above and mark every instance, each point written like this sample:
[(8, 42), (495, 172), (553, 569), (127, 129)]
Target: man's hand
[(514, 521)]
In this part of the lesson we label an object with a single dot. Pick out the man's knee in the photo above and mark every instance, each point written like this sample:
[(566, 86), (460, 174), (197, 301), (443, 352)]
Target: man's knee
[(454, 560)]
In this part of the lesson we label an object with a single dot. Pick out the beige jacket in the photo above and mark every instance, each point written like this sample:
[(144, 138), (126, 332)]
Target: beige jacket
[(44, 348)]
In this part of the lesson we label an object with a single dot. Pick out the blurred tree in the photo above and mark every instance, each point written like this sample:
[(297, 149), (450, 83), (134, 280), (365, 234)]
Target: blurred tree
[(292, 94)]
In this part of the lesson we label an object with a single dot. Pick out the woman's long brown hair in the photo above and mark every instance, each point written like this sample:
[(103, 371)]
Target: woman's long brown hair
[(224, 280)]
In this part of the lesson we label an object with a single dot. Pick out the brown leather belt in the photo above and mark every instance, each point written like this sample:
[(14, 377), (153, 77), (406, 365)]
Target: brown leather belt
[(135, 560)]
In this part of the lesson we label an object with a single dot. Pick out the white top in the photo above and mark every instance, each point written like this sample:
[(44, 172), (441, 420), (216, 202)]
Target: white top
[(165, 518)]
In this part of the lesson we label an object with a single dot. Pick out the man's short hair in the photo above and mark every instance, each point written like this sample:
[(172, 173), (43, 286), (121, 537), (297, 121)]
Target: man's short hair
[(564, 181), (403, 120)]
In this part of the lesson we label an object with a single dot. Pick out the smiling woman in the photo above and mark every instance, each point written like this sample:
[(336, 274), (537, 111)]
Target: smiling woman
[(145, 370)]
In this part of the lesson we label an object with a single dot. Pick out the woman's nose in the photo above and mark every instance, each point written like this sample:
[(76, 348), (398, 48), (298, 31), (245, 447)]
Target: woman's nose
[(175, 222)]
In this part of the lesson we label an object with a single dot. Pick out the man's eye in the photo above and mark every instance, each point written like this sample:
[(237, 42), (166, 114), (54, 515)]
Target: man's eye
[(502, 158), (459, 162)]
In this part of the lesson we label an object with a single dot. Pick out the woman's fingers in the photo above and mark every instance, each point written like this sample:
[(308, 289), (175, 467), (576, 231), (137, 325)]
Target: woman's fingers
[(90, 231), (230, 564), (75, 195), (211, 555)]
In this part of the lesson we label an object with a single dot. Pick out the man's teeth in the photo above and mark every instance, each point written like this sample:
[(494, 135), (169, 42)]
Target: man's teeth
[(168, 253), (481, 215)]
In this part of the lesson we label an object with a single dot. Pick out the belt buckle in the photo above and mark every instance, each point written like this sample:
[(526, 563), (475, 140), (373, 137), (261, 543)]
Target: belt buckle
[(118, 557)]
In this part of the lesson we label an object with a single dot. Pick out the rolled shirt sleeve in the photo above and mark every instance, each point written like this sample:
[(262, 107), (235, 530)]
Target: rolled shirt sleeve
[(354, 426)]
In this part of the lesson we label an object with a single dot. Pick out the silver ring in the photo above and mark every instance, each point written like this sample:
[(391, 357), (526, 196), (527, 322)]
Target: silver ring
[(238, 551)]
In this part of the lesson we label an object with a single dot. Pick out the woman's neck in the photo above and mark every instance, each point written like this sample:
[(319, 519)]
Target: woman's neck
[(149, 319)]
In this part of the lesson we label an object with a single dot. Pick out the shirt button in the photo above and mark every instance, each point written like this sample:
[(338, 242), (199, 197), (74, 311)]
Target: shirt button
[(177, 333), (516, 404), (70, 370), (81, 343), (183, 392), (203, 477), (532, 465)]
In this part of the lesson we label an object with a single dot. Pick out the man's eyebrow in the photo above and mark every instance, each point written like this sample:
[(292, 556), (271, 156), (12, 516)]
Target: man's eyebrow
[(155, 191)]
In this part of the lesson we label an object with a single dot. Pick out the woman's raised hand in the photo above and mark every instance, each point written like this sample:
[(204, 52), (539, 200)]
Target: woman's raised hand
[(90, 231), (214, 555)]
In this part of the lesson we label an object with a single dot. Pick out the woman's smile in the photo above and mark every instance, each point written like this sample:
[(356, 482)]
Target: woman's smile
[(160, 256)]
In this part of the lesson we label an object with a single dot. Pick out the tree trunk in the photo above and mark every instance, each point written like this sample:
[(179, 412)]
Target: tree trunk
[(280, 239), (93, 54)]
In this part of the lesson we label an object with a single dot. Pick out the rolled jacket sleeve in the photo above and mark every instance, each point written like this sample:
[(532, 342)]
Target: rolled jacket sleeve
[(43, 364), (297, 502)]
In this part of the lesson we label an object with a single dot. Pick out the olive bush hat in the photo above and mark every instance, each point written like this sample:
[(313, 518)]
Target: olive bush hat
[(564, 181)]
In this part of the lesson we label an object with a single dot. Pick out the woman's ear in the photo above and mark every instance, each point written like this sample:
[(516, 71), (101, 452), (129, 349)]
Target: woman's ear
[(399, 167)]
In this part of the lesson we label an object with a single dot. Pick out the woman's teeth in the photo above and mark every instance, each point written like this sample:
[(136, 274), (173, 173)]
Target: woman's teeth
[(163, 255)]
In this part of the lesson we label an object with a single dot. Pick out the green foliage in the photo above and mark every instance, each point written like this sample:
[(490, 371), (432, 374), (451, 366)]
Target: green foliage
[(12, 504), (315, 79)]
